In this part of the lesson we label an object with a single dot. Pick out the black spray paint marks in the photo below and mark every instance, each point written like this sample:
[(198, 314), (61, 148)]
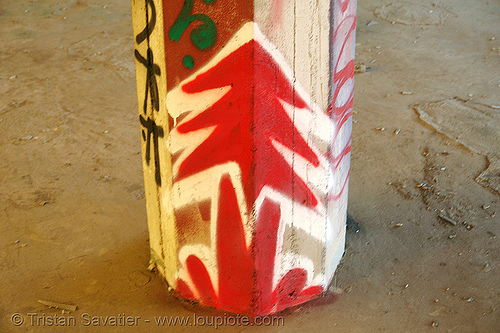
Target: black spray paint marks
[(150, 131), (153, 133)]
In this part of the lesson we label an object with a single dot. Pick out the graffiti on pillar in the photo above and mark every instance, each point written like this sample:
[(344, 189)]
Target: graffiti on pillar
[(151, 132), (197, 30), (256, 164), (343, 90), (203, 36), (242, 148)]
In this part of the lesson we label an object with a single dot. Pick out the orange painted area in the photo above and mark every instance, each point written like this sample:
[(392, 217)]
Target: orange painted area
[(228, 15)]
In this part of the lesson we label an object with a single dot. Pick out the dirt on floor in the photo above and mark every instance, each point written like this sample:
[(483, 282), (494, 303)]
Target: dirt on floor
[(422, 248)]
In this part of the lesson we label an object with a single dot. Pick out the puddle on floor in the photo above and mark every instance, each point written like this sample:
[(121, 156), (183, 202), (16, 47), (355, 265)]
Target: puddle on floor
[(473, 125)]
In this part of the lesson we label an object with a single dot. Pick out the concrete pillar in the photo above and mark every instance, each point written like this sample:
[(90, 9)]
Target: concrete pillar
[(245, 111)]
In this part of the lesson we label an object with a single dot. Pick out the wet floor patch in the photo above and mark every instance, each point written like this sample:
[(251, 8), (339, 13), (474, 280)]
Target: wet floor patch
[(413, 13), (490, 177), (473, 125)]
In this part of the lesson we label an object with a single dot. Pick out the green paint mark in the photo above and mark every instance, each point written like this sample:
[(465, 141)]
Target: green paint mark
[(203, 36), (188, 62)]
